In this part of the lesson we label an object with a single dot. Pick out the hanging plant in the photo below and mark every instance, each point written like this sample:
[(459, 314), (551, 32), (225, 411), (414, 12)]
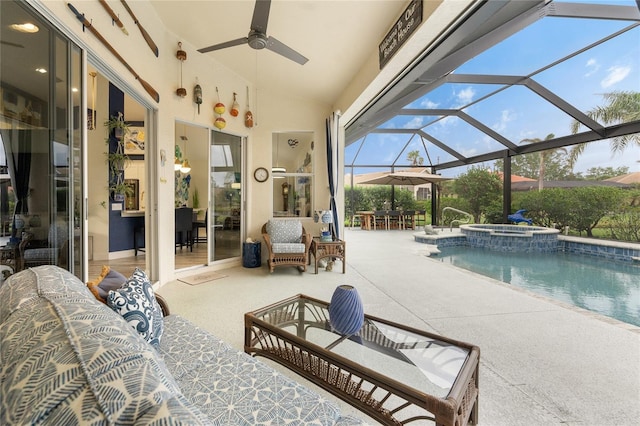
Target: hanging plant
[(117, 160)]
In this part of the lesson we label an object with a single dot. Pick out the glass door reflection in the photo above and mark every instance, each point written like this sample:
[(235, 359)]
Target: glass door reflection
[(225, 201)]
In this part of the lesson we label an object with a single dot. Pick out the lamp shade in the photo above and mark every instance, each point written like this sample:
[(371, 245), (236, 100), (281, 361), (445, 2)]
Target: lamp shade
[(185, 167), (346, 313)]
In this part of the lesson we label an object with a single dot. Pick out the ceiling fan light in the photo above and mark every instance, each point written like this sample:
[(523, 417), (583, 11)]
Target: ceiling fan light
[(278, 170), (26, 27)]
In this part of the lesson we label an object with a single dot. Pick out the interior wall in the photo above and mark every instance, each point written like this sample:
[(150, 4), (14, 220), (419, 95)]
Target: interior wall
[(274, 112), (97, 180)]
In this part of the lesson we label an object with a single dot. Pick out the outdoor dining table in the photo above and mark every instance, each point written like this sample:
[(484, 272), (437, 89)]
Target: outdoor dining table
[(368, 219)]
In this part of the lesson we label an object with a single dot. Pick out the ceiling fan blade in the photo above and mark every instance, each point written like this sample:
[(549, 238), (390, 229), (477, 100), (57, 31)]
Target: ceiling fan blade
[(282, 49), (261, 16), (224, 45), (8, 43)]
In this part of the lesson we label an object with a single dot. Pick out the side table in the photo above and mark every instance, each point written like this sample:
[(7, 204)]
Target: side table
[(9, 255), (334, 249)]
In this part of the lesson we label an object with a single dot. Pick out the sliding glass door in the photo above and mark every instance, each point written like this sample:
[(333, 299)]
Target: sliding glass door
[(41, 137), (225, 200)]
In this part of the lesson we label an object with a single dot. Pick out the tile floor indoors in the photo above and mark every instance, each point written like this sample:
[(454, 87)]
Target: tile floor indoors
[(542, 362)]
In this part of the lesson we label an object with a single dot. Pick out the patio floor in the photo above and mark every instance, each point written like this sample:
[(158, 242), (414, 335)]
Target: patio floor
[(542, 362)]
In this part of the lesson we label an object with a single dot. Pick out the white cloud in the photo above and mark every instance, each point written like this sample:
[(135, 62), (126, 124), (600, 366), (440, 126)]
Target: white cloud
[(615, 75), (465, 95), (427, 104), (505, 117), (592, 67), (414, 123)]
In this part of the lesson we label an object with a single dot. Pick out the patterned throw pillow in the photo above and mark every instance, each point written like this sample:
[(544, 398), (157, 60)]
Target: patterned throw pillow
[(137, 304), (108, 280)]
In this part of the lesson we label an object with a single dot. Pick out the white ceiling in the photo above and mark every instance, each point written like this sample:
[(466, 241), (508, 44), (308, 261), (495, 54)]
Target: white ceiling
[(337, 37)]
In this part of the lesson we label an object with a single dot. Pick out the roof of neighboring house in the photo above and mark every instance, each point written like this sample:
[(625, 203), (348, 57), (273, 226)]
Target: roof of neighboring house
[(516, 178), (528, 186), (633, 177)]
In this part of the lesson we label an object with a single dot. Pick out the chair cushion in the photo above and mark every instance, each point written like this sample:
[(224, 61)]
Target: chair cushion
[(287, 248), (285, 231), (137, 304), (108, 280), (41, 254)]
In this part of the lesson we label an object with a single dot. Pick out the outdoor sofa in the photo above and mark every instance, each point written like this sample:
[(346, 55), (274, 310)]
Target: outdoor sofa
[(68, 358)]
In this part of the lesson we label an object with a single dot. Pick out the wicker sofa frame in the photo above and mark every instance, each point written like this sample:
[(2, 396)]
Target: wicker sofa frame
[(299, 260)]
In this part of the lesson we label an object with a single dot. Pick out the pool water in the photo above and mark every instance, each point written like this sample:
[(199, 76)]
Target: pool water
[(599, 285)]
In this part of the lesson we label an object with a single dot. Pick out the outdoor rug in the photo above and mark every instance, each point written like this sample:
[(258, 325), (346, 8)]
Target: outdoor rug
[(201, 278)]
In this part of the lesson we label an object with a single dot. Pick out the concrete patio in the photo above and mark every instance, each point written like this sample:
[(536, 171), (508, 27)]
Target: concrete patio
[(542, 362)]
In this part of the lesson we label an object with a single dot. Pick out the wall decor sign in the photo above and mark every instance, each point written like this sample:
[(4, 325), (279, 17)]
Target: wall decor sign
[(406, 24)]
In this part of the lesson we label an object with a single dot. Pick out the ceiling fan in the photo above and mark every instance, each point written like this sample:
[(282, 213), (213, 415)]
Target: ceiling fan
[(258, 39)]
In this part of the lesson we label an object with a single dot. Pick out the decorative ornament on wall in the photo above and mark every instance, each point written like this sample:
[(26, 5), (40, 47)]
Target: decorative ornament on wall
[(235, 108), (197, 95), (219, 107), (220, 123), (182, 56), (248, 116)]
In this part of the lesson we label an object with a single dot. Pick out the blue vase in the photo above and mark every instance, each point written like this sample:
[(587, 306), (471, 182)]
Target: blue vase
[(346, 313)]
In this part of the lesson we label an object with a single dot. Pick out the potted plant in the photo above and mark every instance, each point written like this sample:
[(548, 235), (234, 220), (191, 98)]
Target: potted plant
[(116, 157)]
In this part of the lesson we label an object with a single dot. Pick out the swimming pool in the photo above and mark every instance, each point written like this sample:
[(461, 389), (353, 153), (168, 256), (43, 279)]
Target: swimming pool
[(603, 286)]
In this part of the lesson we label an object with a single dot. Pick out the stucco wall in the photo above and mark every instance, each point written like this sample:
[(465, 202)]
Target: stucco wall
[(273, 111)]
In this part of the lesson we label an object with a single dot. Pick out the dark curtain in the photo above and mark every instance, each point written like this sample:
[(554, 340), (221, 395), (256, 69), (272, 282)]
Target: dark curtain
[(332, 167), (19, 165)]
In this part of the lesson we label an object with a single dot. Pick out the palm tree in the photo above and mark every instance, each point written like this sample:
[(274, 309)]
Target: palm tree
[(622, 107), (415, 158), (544, 155)]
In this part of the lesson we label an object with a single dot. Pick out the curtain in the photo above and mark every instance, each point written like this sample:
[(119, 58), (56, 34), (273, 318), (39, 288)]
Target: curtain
[(19, 165), (332, 169)]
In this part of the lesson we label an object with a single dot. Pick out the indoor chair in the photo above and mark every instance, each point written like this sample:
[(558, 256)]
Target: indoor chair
[(287, 243), (53, 251)]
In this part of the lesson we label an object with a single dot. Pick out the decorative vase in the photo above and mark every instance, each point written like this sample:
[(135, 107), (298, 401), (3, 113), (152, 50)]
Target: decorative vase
[(346, 313), (19, 222), (327, 217), (316, 217), (35, 221)]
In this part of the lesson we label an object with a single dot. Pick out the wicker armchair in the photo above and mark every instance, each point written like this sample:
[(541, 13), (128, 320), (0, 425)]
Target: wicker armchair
[(287, 242)]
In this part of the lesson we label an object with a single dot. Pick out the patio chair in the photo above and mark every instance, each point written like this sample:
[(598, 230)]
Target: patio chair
[(53, 251), (408, 219), (394, 219), (287, 243), (380, 219)]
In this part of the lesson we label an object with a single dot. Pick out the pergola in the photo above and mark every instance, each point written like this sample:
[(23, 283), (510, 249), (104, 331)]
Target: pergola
[(515, 56)]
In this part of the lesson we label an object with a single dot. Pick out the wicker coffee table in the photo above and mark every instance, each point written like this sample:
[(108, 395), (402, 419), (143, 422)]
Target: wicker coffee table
[(395, 374)]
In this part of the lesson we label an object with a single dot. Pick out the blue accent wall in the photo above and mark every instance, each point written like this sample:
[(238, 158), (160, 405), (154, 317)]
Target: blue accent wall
[(121, 229)]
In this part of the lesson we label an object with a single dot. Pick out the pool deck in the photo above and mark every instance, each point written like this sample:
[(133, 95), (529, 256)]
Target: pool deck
[(542, 362)]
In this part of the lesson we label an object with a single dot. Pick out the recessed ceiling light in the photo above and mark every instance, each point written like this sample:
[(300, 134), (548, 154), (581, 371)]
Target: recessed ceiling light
[(41, 70), (27, 27)]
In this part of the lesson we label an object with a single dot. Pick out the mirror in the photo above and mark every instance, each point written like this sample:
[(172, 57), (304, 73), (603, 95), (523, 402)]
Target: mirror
[(292, 173)]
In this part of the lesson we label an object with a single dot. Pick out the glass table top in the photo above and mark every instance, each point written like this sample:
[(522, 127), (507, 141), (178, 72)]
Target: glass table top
[(426, 362)]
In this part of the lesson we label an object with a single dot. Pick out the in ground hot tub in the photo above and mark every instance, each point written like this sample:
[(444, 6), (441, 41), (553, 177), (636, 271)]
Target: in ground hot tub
[(511, 237)]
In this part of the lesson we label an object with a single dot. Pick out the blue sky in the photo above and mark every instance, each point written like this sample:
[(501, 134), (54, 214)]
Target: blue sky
[(516, 112)]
